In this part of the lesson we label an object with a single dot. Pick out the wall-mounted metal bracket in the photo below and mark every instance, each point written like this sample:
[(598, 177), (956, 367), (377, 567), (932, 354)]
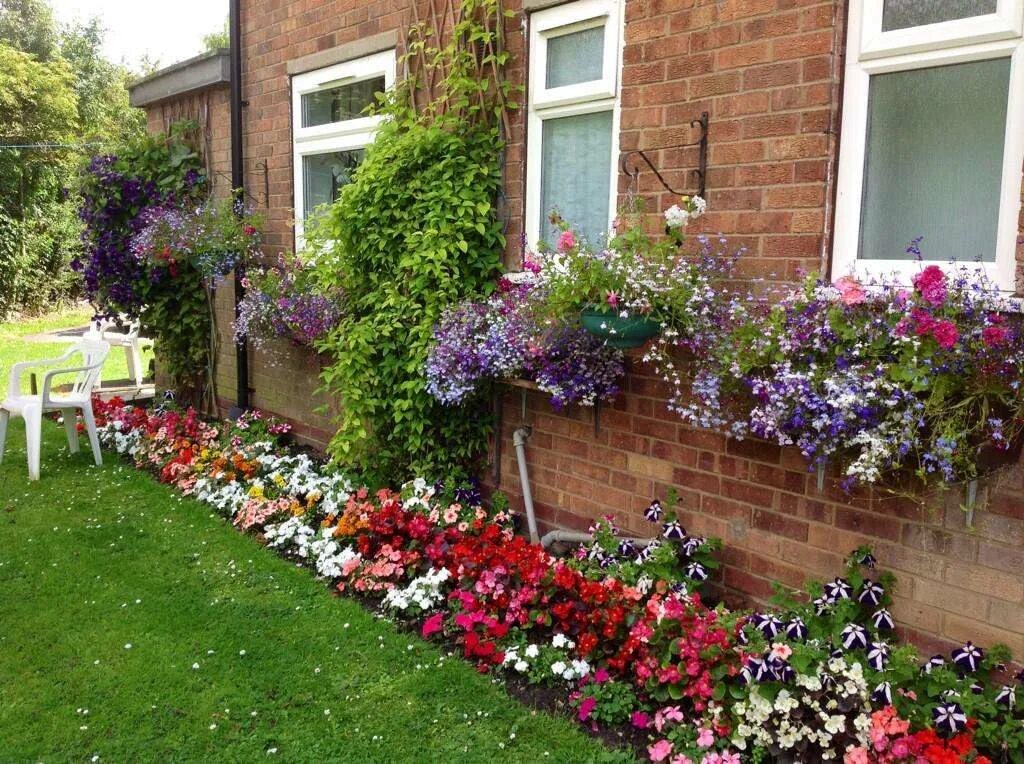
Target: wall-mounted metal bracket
[(702, 168)]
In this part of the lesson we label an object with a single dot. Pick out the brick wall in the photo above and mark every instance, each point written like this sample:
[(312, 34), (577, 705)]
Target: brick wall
[(769, 74)]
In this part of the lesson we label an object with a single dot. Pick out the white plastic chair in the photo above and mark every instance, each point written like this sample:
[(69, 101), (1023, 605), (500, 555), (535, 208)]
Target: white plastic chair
[(78, 397), (108, 331)]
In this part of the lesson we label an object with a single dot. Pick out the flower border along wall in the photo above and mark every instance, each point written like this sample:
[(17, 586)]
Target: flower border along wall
[(620, 633)]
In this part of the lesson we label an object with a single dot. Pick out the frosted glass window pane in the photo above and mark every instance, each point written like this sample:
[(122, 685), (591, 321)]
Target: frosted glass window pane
[(323, 176), (575, 57), (576, 173), (934, 161), (340, 103), (900, 14)]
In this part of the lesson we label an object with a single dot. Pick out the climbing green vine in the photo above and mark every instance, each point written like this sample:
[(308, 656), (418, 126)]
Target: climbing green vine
[(415, 231)]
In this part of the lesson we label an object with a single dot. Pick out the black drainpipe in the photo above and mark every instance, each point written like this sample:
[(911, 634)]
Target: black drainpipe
[(238, 186)]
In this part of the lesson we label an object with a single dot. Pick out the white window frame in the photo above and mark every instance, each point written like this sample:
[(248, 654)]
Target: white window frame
[(871, 51), (570, 100), (335, 136)]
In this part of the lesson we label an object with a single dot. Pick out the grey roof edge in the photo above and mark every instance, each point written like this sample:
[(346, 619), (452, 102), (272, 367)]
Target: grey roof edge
[(364, 46), (207, 70)]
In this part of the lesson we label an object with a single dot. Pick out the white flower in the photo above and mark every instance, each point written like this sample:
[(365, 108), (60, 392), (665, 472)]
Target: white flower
[(531, 651), (558, 668)]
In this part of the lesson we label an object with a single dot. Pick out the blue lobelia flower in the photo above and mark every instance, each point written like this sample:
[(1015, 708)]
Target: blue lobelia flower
[(949, 718), (968, 657)]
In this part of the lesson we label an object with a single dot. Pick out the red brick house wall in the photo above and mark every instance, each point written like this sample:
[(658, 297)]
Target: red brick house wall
[(769, 73)]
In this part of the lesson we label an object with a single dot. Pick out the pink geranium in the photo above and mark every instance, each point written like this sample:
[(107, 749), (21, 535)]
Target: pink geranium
[(931, 284), (851, 291), (946, 334), (566, 241)]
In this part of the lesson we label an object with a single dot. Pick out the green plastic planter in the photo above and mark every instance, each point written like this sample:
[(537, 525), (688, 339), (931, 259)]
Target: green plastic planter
[(619, 332)]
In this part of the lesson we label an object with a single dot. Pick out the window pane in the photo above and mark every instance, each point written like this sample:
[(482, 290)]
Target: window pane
[(934, 161), (900, 14), (323, 176), (340, 103), (576, 174), (575, 57)]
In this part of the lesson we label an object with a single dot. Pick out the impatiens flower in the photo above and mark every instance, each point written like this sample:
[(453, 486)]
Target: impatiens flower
[(705, 737), (781, 651), (949, 718), (640, 720), (660, 751), (587, 706), (968, 657), (432, 625), (851, 291)]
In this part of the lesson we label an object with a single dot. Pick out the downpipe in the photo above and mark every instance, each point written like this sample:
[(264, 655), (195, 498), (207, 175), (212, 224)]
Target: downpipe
[(519, 438)]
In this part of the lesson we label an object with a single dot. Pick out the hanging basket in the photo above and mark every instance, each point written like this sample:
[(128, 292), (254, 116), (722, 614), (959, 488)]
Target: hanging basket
[(616, 331)]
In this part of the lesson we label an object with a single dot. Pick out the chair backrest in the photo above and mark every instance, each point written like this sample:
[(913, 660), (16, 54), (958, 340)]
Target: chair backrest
[(94, 353), (98, 329)]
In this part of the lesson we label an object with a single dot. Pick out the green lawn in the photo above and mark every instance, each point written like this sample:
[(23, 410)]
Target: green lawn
[(137, 626), (14, 347)]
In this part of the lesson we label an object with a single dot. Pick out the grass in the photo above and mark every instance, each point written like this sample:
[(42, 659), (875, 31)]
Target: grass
[(14, 347), (137, 626)]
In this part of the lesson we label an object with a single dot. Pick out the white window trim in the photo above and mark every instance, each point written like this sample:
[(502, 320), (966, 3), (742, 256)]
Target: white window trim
[(572, 100), (982, 38), (336, 136)]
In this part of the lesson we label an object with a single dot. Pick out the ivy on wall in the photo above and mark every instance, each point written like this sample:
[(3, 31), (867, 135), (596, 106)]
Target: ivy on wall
[(414, 232)]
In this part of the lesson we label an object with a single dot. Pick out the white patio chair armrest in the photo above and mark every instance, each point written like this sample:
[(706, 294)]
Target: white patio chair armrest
[(14, 380), (49, 376)]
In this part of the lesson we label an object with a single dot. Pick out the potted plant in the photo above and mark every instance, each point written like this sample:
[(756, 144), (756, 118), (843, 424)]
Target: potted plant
[(623, 293)]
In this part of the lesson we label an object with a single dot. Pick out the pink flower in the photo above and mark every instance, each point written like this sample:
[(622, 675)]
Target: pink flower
[(432, 625), (856, 756), (660, 751), (613, 299), (705, 737), (781, 650), (640, 720), (945, 333), (566, 241), (601, 676), (931, 284), (681, 759), (587, 706), (995, 336), (851, 291)]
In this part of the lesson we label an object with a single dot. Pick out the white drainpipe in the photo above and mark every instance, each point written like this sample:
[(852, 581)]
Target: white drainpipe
[(519, 437)]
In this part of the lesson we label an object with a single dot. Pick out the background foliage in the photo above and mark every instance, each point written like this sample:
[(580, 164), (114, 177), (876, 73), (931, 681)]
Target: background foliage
[(55, 88), (414, 232)]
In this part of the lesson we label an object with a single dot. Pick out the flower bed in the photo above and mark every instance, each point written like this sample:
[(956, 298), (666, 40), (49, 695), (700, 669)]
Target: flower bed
[(813, 679)]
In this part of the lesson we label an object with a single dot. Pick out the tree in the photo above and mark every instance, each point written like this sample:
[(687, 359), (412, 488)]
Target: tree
[(219, 39), (38, 115), (28, 26)]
